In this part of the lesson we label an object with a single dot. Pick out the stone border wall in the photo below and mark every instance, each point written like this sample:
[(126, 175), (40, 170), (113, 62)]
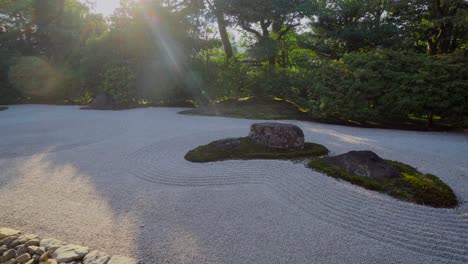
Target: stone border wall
[(19, 248)]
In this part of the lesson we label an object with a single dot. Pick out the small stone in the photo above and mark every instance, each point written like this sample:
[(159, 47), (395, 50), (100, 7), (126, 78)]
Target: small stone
[(32, 242), (26, 237), (36, 257), (23, 258), (22, 250), (44, 256), (9, 254), (6, 241), (32, 249), (40, 250), (10, 261), (50, 252), (14, 243), (50, 261), (70, 253), (31, 261), (96, 257), (18, 246), (3, 249), (121, 260), (8, 232), (48, 243)]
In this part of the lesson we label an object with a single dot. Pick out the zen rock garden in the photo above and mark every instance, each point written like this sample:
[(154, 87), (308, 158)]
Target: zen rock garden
[(19, 248), (363, 168)]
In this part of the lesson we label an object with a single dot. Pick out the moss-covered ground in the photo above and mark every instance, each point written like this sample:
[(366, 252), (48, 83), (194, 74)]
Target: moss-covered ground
[(412, 186), (251, 108), (247, 150), (277, 109)]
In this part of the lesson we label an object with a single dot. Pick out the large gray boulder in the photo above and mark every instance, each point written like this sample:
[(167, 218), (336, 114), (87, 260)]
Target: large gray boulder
[(364, 163), (101, 102), (277, 135)]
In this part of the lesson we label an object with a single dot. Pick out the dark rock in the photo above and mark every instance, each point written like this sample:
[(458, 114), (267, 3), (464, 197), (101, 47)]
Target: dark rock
[(7, 241), (3, 108), (23, 258), (32, 242), (226, 144), (277, 135), (3, 249), (13, 243), (364, 163), (102, 102), (21, 250), (9, 254)]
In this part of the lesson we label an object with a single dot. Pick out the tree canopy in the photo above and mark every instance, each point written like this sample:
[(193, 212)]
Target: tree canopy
[(333, 58)]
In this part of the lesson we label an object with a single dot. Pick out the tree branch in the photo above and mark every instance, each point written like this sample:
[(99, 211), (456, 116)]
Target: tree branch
[(249, 29)]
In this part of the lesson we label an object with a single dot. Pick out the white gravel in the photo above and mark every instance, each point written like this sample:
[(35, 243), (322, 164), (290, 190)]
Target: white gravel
[(118, 182)]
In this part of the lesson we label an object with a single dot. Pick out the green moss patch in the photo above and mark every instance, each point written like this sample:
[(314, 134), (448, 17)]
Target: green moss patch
[(413, 186), (247, 150)]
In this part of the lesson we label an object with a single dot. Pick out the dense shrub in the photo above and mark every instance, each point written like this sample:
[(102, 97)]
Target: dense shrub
[(119, 82), (386, 84), (36, 78)]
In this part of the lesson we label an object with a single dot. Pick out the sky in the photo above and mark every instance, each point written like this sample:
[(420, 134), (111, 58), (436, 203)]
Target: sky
[(105, 7)]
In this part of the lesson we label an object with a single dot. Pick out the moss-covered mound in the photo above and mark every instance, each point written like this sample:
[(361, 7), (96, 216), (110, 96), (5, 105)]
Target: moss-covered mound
[(3, 108), (251, 108), (246, 150), (412, 186)]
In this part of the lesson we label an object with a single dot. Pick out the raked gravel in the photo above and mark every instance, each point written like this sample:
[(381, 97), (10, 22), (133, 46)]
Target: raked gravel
[(116, 181)]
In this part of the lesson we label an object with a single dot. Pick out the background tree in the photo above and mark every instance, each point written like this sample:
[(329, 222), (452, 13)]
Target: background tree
[(344, 26), (269, 21), (436, 25)]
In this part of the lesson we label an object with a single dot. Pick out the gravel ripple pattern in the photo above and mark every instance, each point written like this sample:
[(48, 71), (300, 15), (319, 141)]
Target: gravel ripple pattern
[(122, 176)]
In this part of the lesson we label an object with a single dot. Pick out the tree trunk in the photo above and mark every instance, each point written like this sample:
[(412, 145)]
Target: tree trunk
[(272, 60), (431, 47), (225, 39), (224, 35), (430, 120)]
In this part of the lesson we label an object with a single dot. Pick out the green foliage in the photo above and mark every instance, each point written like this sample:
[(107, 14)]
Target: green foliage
[(387, 84), (119, 83), (7, 93), (343, 26), (248, 150), (34, 77), (412, 186), (437, 27)]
